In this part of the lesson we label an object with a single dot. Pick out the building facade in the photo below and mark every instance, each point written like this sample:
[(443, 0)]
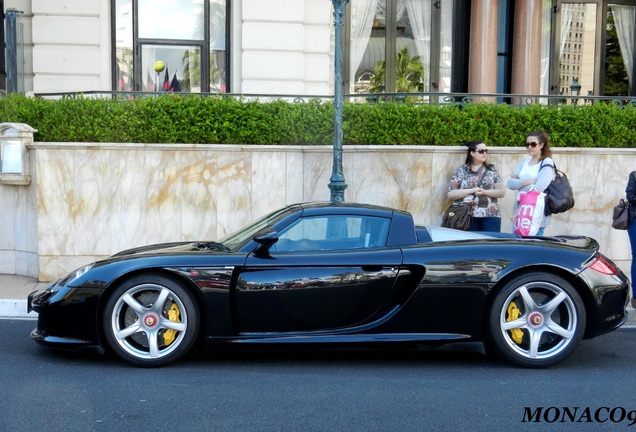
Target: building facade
[(279, 47)]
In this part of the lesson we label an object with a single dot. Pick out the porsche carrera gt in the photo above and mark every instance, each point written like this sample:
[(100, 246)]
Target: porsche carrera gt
[(336, 275)]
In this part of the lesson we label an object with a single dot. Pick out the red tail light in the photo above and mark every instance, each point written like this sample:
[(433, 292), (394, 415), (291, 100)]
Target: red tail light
[(603, 265)]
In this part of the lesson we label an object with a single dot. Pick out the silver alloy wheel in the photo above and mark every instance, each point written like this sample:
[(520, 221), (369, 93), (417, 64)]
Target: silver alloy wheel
[(547, 320), (140, 321)]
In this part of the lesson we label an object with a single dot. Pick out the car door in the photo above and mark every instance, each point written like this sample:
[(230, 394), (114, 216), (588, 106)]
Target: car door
[(324, 273)]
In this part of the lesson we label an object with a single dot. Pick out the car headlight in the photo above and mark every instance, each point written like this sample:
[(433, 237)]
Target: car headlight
[(74, 275)]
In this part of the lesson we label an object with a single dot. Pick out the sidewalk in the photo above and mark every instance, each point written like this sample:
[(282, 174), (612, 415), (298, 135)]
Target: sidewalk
[(14, 290)]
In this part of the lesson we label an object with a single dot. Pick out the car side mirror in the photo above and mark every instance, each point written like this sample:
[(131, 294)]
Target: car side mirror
[(265, 240)]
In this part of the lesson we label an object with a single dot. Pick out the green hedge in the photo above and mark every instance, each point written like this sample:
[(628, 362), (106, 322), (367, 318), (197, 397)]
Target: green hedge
[(228, 120)]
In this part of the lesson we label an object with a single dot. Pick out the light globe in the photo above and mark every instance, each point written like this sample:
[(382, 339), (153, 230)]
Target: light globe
[(159, 66)]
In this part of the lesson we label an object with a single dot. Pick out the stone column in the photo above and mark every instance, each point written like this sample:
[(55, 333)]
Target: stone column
[(526, 48), (482, 75)]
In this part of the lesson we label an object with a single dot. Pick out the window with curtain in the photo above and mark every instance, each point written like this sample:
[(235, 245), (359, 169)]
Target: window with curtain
[(391, 43), (596, 46), (170, 45), (619, 55)]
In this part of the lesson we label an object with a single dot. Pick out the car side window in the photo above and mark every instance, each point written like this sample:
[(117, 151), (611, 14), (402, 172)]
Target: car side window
[(333, 232)]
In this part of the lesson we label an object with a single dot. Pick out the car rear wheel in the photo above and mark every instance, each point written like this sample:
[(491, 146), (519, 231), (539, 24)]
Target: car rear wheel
[(537, 320), (150, 321)]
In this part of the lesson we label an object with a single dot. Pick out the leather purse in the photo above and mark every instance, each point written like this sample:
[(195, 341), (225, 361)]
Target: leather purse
[(620, 217), (458, 216)]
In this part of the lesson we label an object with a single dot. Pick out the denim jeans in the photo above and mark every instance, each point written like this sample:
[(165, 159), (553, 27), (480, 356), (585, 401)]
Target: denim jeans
[(492, 224), (631, 232)]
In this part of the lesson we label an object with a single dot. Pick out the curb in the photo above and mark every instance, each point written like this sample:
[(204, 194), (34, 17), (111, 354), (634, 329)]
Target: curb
[(15, 309)]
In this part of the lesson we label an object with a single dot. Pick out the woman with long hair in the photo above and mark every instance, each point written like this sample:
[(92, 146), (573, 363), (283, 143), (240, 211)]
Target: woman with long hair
[(536, 171), (478, 183)]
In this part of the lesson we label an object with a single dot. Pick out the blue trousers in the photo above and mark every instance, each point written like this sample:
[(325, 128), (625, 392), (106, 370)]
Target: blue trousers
[(631, 232), (492, 224)]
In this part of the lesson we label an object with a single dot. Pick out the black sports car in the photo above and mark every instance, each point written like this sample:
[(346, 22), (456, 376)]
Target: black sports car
[(322, 273)]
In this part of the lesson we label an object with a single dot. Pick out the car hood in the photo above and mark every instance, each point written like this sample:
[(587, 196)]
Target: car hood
[(176, 255), (174, 248)]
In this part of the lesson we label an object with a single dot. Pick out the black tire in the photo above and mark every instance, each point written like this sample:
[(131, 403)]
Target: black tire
[(150, 321), (536, 320)]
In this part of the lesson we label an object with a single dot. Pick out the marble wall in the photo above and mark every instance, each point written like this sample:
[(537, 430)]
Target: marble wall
[(88, 201), (18, 242)]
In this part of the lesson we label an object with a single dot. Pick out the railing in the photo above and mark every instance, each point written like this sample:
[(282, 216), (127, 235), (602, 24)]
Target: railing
[(459, 99)]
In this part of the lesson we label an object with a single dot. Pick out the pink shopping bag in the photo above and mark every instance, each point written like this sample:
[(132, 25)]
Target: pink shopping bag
[(529, 216)]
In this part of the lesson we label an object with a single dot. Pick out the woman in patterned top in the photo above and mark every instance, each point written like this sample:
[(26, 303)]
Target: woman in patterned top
[(478, 183)]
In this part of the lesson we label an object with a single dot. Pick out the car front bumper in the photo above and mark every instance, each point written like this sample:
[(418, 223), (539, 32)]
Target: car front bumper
[(68, 318)]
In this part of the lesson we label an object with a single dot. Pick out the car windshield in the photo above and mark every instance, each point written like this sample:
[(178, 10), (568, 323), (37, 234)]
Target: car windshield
[(238, 239)]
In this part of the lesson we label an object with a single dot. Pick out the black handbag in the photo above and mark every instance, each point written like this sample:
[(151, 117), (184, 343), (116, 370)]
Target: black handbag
[(559, 195), (458, 216), (620, 217)]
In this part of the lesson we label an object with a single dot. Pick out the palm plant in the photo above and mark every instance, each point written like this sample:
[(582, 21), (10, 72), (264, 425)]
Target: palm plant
[(409, 74)]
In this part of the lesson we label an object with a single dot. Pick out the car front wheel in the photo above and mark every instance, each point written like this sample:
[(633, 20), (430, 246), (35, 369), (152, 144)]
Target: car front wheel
[(537, 320), (150, 321)]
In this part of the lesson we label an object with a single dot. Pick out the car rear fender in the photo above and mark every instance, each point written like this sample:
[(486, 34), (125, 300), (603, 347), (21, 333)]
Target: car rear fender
[(574, 280), (587, 244)]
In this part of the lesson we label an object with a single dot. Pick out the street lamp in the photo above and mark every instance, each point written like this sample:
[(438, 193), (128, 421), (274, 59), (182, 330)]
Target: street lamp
[(337, 183), (575, 89)]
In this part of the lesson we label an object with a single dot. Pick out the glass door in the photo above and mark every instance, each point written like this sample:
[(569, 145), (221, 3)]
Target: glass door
[(173, 68), (577, 40), (399, 46), (171, 45)]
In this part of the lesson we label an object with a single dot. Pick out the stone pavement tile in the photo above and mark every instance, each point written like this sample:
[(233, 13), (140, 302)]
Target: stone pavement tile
[(18, 287)]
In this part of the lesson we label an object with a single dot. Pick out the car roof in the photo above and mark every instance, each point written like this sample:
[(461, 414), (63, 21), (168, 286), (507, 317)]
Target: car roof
[(348, 208)]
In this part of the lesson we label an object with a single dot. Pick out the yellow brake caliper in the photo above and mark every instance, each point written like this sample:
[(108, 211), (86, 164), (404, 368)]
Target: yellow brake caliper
[(513, 314), (173, 315)]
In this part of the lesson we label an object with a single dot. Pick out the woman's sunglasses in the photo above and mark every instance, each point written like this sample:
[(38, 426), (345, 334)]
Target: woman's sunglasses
[(532, 144), (481, 151)]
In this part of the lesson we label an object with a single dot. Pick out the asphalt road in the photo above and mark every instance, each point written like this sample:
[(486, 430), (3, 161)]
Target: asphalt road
[(306, 391)]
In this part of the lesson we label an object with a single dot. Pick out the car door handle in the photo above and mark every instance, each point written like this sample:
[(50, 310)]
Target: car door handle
[(372, 268)]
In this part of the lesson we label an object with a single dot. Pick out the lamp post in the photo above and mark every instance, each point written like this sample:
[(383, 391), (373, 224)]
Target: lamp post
[(575, 89), (12, 50), (337, 183)]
